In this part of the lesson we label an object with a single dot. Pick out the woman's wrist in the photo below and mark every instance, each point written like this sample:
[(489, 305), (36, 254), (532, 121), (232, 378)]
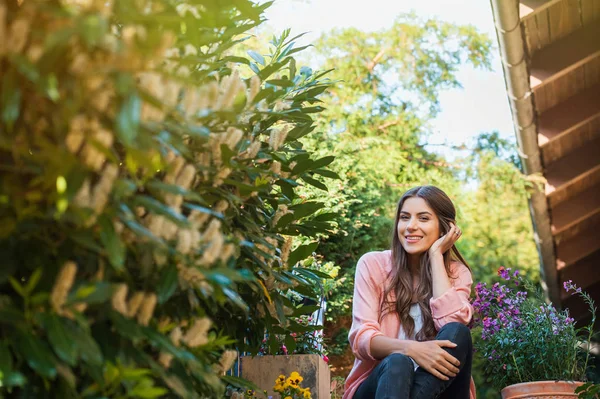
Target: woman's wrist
[(407, 347), (435, 256)]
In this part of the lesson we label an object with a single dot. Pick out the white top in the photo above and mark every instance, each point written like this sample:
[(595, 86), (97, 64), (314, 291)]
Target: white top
[(417, 315)]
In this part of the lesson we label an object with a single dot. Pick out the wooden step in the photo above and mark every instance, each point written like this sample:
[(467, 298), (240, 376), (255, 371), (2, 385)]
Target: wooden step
[(572, 216), (585, 243), (569, 125)]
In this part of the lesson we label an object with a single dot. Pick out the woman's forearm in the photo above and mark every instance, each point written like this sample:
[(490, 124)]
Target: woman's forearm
[(382, 346), (439, 278)]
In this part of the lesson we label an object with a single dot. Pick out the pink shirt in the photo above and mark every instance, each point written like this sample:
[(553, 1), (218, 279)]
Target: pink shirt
[(372, 271)]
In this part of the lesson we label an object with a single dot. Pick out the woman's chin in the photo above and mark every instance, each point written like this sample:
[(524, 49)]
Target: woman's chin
[(414, 251)]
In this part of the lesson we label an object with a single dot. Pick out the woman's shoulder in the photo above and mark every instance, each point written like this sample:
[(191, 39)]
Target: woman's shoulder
[(376, 261), (379, 257)]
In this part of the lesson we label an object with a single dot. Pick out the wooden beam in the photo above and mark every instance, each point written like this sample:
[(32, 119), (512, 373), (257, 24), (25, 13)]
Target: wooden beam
[(572, 212), (569, 252), (574, 186), (570, 167), (564, 54), (569, 125), (528, 9)]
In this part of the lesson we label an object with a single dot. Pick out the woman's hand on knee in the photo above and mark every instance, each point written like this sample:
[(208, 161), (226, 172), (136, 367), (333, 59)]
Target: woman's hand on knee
[(431, 356)]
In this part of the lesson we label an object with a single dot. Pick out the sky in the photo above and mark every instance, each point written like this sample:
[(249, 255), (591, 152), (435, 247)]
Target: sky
[(480, 106)]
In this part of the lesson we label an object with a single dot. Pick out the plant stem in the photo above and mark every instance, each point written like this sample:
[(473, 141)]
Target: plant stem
[(517, 367)]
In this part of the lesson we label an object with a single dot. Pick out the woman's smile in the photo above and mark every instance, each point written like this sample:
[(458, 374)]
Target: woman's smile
[(418, 226)]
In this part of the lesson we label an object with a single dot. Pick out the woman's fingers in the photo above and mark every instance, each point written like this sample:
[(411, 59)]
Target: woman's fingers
[(451, 359), (438, 374), (444, 343), (447, 370)]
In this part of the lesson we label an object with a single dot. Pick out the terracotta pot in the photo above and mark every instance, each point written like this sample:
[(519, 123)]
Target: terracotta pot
[(541, 390)]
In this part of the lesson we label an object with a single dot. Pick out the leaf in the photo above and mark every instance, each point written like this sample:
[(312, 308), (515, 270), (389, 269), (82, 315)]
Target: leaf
[(10, 98), (328, 173), (87, 347), (280, 82), (6, 363), (36, 354), (159, 208), (235, 298), (240, 382), (174, 189), (61, 340), (128, 120), (305, 310), (167, 284), (92, 293), (147, 392), (257, 57), (115, 248), (314, 183), (290, 343), (13, 379), (17, 287), (33, 280), (305, 209), (302, 252)]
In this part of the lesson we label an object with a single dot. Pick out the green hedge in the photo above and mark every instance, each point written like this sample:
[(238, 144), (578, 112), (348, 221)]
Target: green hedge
[(148, 195)]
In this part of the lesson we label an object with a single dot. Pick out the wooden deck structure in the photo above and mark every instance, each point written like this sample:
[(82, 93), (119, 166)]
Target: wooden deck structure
[(551, 57)]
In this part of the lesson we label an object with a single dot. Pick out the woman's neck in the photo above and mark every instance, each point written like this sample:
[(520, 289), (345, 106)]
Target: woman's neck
[(414, 264)]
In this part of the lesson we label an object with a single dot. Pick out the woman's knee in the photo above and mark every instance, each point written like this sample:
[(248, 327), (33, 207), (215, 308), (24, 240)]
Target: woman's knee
[(397, 363), (458, 333)]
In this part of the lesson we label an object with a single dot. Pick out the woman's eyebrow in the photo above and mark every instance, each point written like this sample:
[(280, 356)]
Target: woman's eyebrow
[(420, 213)]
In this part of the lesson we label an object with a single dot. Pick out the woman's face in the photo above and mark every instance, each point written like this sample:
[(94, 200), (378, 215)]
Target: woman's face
[(418, 227)]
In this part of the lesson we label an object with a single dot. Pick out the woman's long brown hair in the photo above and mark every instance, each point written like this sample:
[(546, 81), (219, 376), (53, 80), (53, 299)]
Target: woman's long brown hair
[(400, 278)]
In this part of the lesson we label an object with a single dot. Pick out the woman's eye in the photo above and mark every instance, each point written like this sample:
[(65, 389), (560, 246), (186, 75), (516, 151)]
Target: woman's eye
[(424, 219), (403, 217)]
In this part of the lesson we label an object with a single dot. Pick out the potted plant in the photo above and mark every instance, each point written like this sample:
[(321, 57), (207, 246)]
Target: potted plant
[(530, 348), (299, 348)]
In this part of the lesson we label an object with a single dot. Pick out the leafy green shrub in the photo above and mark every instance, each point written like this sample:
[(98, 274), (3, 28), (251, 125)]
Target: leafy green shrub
[(147, 195)]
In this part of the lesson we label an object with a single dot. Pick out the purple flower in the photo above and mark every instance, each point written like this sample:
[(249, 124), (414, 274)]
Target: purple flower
[(504, 273)]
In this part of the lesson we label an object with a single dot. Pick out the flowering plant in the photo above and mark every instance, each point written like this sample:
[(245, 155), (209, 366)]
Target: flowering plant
[(308, 339), (289, 388), (524, 339)]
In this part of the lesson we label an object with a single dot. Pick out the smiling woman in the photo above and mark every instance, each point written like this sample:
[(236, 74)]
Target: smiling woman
[(411, 307)]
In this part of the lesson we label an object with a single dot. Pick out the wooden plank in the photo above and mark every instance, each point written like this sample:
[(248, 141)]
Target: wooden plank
[(579, 47), (587, 11), (539, 99), (530, 8), (564, 18), (531, 36), (543, 28), (596, 10), (573, 187), (592, 72)]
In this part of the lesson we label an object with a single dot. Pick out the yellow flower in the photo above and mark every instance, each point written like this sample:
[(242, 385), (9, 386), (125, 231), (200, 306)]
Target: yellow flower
[(307, 395), (288, 397)]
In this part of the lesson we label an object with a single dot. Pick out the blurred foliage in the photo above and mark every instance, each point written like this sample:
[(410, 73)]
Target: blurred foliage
[(148, 195)]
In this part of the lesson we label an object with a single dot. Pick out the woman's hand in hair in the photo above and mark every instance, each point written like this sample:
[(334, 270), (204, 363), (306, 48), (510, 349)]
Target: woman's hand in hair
[(431, 356), (445, 242)]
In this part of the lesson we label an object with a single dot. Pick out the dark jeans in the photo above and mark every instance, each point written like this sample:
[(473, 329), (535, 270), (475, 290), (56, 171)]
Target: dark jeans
[(395, 377)]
